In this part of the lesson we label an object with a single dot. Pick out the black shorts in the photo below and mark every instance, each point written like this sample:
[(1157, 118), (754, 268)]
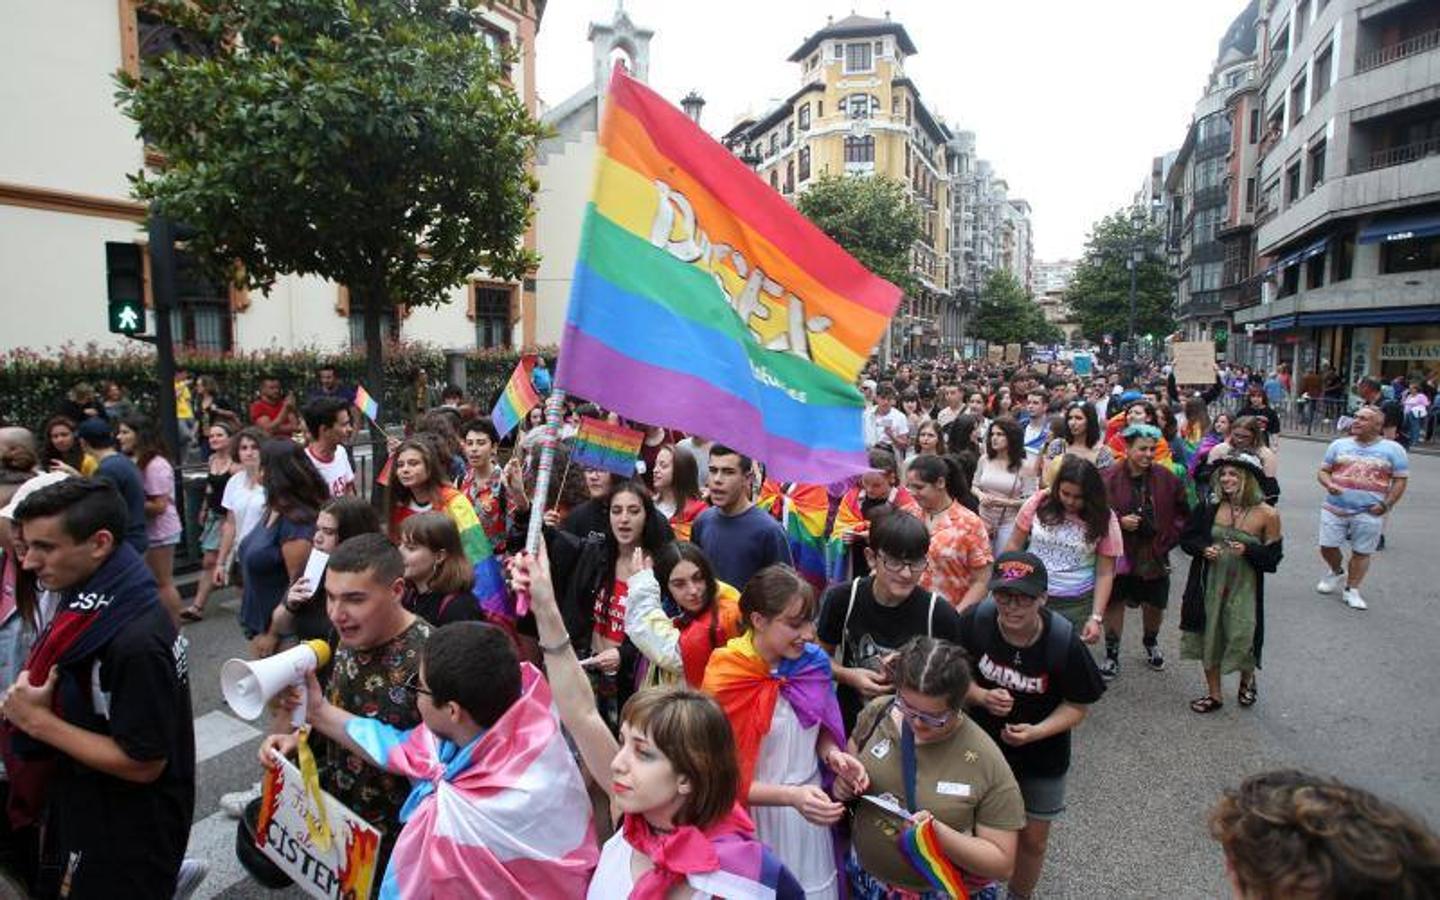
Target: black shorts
[(1134, 590)]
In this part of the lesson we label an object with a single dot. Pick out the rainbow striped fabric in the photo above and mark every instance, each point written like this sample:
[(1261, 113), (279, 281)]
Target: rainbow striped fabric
[(807, 509), (703, 301), (604, 445), (518, 398), (367, 404), (921, 847)]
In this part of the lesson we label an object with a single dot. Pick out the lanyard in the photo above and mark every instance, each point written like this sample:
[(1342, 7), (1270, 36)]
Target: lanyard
[(907, 763)]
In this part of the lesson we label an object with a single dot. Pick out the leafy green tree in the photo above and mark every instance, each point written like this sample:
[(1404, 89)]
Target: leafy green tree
[(1007, 315), (873, 218), (377, 144), (1099, 293)]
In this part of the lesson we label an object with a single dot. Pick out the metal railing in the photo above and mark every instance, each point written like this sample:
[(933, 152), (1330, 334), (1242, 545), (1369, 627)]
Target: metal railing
[(1420, 43), (1396, 156)]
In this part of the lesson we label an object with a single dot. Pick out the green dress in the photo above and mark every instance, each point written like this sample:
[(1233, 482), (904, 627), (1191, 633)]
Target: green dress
[(1228, 641)]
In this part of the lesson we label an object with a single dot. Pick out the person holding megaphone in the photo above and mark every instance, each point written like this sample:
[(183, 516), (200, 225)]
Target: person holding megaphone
[(374, 674)]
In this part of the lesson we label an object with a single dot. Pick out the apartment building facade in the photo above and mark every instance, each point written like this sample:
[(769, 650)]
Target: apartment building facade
[(1347, 220)]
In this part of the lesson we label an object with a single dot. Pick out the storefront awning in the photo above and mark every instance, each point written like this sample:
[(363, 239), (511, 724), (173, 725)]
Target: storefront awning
[(1405, 315), (1295, 259), (1401, 228)]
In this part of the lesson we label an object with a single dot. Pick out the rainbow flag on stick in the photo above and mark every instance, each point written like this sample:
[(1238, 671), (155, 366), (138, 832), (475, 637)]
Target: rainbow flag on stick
[(602, 445), (367, 404), (518, 398), (703, 301), (921, 848)]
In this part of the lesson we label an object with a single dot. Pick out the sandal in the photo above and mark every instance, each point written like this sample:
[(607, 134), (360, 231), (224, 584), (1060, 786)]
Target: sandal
[(1206, 704), (192, 614), (1248, 695)]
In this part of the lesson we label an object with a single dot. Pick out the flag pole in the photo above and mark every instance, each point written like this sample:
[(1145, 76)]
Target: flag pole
[(548, 440)]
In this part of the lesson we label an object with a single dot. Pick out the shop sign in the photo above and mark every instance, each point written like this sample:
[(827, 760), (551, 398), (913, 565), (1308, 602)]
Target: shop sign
[(1417, 350)]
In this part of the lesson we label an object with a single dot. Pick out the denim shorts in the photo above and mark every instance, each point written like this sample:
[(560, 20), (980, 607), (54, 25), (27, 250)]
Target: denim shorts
[(1362, 530), (1044, 796)]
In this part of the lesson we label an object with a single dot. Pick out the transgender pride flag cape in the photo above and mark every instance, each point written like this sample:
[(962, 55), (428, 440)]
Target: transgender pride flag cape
[(504, 816)]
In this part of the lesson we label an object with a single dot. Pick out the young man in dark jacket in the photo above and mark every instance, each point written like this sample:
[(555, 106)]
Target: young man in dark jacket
[(99, 741)]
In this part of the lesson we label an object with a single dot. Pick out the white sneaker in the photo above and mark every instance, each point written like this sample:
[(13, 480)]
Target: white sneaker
[(1331, 583), (234, 803), (192, 872), (1354, 600)]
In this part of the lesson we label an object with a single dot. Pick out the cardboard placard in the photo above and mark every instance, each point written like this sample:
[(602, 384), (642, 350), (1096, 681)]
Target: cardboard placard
[(1012, 353), (346, 869), (1194, 361), (995, 354)]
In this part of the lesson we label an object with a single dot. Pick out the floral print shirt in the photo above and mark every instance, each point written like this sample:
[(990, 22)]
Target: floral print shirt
[(486, 496), (371, 683), (959, 552)]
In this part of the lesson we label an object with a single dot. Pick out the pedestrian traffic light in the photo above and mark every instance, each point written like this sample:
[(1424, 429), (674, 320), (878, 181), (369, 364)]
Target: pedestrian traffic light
[(125, 287)]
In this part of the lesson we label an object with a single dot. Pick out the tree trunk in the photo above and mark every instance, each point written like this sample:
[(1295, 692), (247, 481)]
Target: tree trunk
[(375, 300)]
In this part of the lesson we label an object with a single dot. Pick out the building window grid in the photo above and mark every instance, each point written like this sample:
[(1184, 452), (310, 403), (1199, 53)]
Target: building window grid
[(860, 149), (804, 168), (804, 117), (1316, 166), (858, 57), (492, 315), (1323, 64)]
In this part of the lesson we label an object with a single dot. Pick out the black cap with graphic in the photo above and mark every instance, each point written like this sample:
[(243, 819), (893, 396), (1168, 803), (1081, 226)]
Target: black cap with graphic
[(1020, 572)]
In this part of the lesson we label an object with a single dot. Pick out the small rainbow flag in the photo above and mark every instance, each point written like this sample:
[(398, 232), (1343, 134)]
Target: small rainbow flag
[(602, 445), (518, 398), (367, 404), (705, 302), (921, 849)]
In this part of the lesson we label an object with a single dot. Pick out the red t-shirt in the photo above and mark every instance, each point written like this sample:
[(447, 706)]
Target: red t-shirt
[(610, 612), (266, 409)]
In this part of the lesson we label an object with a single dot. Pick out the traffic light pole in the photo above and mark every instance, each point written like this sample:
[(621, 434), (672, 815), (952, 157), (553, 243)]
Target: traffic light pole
[(162, 275)]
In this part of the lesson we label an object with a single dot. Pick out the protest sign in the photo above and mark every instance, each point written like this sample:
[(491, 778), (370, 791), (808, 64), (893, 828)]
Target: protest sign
[(1194, 361), (1012, 353), (1083, 364), (342, 870), (995, 354)]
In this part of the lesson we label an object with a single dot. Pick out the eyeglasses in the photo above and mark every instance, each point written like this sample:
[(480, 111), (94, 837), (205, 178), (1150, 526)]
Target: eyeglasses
[(1023, 601), (896, 566), (928, 719), (412, 684)]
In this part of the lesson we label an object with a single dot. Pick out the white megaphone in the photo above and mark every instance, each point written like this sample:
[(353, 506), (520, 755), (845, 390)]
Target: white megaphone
[(248, 684)]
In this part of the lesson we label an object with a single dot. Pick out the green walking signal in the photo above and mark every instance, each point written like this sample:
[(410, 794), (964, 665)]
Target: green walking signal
[(125, 287)]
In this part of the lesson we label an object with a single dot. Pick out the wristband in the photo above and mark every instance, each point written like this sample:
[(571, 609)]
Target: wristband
[(1097, 618), (556, 649)]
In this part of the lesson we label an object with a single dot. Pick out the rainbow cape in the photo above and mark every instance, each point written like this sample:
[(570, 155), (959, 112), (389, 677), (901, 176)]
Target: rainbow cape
[(747, 690), (772, 498), (850, 519), (503, 816), (806, 511), (518, 398), (604, 445), (921, 848), (703, 301)]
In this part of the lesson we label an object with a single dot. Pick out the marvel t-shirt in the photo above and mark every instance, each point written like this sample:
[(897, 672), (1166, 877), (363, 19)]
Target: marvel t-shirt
[(1037, 689), (875, 631)]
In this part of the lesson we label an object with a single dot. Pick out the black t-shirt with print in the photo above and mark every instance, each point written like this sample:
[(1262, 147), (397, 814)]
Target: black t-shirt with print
[(130, 837), (875, 631), (1038, 691)]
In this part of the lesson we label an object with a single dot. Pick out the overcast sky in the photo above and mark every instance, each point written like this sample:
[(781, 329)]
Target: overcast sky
[(1070, 99)]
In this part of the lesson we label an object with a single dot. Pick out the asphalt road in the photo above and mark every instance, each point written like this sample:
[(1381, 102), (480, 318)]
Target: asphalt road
[(1342, 693)]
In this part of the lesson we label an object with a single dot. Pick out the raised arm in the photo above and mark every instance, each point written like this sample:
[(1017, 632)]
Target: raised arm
[(568, 682)]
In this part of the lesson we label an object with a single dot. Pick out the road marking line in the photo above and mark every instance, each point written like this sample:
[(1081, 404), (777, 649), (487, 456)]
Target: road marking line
[(217, 731), (213, 840)]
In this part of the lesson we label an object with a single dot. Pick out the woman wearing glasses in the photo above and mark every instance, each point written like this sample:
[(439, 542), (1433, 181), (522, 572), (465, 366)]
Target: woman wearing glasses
[(863, 623), (933, 763), (1034, 681)]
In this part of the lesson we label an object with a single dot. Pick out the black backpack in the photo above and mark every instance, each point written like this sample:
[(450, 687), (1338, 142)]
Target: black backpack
[(1057, 641)]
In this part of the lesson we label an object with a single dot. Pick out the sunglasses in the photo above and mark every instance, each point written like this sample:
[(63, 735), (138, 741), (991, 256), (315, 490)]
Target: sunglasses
[(928, 719), (1023, 601), (412, 684)]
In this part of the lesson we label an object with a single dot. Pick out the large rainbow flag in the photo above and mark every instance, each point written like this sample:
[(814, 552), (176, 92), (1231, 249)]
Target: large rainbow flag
[(703, 301)]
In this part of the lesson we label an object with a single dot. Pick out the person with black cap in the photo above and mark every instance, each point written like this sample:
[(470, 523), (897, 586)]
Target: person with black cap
[(1034, 681), (1233, 539)]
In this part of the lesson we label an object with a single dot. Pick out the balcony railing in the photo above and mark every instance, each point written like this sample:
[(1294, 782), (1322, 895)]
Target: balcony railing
[(1214, 145), (1395, 156), (1420, 43)]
